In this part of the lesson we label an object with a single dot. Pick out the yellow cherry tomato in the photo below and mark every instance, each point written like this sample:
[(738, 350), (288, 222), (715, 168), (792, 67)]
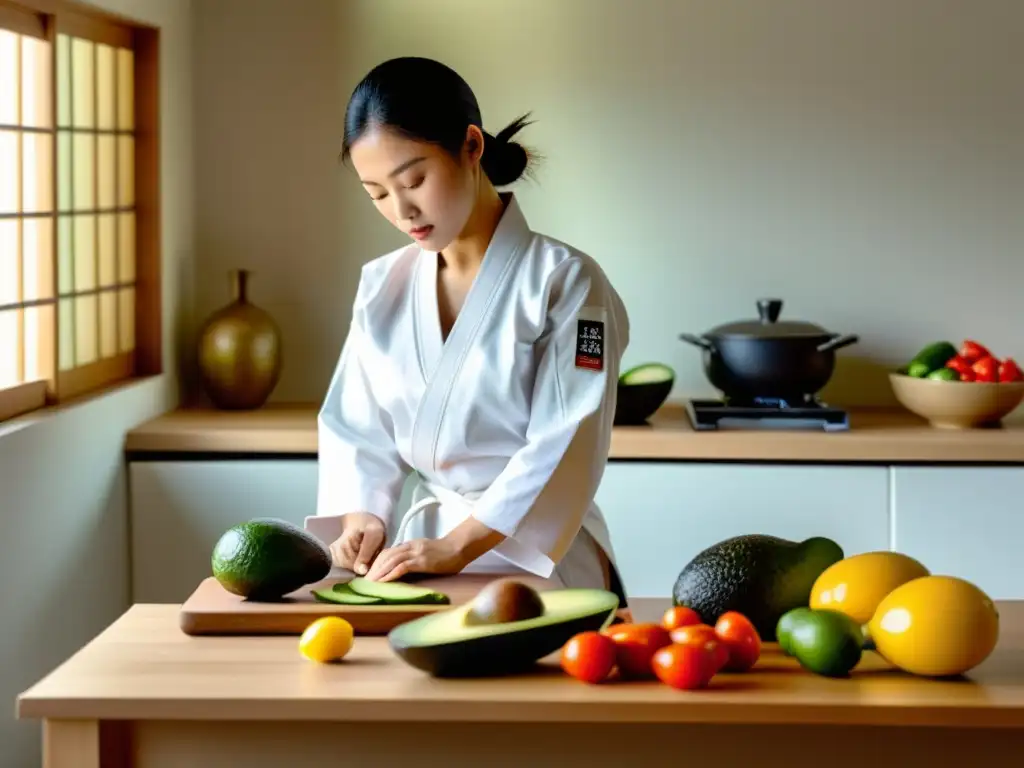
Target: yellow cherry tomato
[(935, 626), (327, 639), (857, 584)]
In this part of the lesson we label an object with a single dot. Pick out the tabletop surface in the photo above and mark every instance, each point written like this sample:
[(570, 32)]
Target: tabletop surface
[(144, 667)]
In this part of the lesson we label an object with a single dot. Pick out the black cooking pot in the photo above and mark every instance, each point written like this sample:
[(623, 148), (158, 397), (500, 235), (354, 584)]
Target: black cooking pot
[(766, 358)]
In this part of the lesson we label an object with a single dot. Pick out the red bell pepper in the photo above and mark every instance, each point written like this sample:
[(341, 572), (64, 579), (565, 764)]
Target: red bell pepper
[(972, 351), (959, 364), (967, 375), (986, 369), (1010, 371)]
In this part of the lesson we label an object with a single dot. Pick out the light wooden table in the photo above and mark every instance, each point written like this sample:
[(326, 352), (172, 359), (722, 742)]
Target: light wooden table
[(145, 694)]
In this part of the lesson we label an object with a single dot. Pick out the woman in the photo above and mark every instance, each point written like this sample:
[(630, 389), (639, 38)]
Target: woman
[(482, 357)]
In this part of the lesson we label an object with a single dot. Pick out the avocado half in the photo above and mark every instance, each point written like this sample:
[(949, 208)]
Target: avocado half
[(642, 390), (455, 643)]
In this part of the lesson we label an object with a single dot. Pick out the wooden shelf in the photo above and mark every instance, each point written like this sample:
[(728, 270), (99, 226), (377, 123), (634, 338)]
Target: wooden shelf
[(874, 437)]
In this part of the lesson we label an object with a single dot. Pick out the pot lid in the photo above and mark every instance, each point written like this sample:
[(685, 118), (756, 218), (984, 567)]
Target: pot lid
[(768, 324)]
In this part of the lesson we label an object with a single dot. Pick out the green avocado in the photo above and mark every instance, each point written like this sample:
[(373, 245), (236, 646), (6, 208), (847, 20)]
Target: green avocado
[(507, 628), (826, 642), (760, 576), (264, 559)]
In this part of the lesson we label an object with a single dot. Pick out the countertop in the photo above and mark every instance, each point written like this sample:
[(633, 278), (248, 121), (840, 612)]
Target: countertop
[(884, 436), (143, 667)]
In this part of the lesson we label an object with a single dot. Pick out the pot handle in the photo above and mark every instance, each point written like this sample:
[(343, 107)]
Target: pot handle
[(768, 309), (697, 341), (836, 342)]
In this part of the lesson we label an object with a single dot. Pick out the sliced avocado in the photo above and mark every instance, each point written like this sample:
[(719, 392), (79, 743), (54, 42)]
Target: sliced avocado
[(763, 577), (343, 595), (396, 592), (457, 643), (647, 373), (266, 558)]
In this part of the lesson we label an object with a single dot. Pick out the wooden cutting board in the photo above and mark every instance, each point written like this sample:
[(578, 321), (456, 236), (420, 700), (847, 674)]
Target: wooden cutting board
[(212, 610)]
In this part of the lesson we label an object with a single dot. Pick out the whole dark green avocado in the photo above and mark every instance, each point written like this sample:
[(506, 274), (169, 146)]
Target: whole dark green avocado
[(266, 558), (760, 576)]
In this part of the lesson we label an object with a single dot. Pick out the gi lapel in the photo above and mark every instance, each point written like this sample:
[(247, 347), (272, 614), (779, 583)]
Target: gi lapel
[(442, 360), (427, 318)]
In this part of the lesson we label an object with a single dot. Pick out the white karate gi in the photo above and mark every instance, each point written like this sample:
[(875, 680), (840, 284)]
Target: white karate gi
[(508, 420)]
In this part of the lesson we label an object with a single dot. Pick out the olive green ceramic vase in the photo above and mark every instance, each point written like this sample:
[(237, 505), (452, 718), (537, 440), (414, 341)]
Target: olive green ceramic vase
[(239, 354)]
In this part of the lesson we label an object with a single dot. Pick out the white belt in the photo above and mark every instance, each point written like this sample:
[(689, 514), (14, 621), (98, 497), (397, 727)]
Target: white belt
[(439, 499), (436, 498)]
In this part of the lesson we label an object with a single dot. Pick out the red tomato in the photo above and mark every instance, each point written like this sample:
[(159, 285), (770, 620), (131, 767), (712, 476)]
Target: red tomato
[(704, 636), (1010, 371), (635, 645), (741, 638), (959, 364), (986, 369), (972, 351), (680, 616), (685, 666), (589, 656), (693, 633)]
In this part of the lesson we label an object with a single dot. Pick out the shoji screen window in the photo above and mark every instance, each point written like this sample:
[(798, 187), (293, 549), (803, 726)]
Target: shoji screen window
[(95, 205), (70, 210), (27, 236)]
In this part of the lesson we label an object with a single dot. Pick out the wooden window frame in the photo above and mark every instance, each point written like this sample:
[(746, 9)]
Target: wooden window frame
[(46, 19)]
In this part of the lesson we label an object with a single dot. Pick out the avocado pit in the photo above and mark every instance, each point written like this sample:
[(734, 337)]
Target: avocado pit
[(503, 601)]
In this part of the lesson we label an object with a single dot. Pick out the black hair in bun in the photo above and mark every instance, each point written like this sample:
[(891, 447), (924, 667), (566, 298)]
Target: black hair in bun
[(505, 161), (428, 101)]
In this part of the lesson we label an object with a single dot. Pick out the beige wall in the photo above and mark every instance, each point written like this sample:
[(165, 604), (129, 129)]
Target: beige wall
[(64, 544), (269, 95), (862, 161)]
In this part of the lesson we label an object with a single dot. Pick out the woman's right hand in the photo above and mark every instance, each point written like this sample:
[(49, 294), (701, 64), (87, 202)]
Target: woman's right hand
[(362, 536)]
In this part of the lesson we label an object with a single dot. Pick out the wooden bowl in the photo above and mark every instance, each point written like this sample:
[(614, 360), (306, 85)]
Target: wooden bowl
[(957, 404)]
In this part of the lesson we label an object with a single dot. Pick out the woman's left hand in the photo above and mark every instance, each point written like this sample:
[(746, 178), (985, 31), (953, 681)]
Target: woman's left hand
[(439, 556)]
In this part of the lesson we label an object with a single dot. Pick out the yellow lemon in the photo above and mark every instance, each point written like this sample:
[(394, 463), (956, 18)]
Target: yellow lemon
[(856, 585), (327, 639), (935, 626)]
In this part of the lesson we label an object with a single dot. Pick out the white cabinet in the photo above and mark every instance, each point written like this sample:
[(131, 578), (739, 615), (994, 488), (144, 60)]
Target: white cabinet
[(661, 515), (180, 508), (964, 521)]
